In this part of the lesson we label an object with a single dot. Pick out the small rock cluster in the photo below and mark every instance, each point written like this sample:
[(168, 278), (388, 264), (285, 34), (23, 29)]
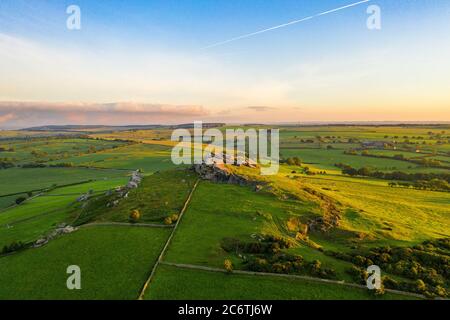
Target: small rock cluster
[(220, 158), (135, 180), (85, 197), (122, 192), (60, 230)]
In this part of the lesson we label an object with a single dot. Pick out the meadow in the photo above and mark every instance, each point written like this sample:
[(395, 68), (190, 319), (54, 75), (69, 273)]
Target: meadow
[(114, 260), (35, 179), (172, 283)]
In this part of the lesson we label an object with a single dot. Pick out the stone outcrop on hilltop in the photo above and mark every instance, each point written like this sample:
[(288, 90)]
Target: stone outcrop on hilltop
[(122, 192), (213, 169)]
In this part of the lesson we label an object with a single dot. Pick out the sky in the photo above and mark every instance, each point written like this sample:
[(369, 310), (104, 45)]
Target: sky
[(148, 62)]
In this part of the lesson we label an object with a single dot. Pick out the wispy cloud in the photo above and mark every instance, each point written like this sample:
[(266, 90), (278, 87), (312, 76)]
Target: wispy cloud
[(261, 108), (6, 117)]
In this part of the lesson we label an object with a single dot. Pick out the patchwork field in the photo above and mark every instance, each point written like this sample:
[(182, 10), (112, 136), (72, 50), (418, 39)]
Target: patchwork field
[(345, 197)]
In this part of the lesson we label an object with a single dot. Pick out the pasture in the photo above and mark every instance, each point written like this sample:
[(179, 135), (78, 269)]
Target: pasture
[(114, 263), (35, 179), (176, 283)]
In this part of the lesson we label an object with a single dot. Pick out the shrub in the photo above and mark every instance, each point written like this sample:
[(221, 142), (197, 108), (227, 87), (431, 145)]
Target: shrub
[(19, 200), (379, 292), (420, 286), (135, 215), (168, 220), (228, 265), (14, 246), (390, 283)]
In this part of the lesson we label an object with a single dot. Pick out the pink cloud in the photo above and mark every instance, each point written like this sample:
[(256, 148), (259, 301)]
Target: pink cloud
[(27, 113), (6, 117)]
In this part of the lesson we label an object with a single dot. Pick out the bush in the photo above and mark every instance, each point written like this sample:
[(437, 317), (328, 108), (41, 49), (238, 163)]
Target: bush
[(14, 246), (19, 200), (420, 286), (135, 215), (379, 292), (168, 220), (228, 265), (390, 283), (33, 165), (62, 165), (295, 161)]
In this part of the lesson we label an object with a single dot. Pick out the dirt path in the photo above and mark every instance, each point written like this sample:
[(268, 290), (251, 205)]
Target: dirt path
[(163, 251)]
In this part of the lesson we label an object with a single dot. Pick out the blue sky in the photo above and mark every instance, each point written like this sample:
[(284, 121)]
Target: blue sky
[(148, 55)]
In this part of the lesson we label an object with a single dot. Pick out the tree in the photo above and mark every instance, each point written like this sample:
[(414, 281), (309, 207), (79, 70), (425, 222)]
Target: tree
[(297, 161)]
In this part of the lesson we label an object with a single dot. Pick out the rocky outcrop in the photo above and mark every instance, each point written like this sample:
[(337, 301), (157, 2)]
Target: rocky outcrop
[(219, 174), (60, 230), (135, 180), (122, 192)]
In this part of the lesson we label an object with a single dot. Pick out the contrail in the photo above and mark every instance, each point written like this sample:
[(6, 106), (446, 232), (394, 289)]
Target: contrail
[(284, 24)]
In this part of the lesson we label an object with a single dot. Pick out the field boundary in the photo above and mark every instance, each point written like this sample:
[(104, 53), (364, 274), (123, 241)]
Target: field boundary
[(282, 275), (164, 249), (126, 224)]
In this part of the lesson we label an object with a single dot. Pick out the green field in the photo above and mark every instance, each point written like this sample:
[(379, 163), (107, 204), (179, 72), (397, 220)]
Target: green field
[(51, 149), (220, 211), (42, 178), (175, 283), (114, 263), (326, 159), (160, 195), (37, 216), (149, 158)]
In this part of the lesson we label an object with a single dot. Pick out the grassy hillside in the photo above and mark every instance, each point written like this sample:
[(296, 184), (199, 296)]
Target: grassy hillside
[(160, 195)]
